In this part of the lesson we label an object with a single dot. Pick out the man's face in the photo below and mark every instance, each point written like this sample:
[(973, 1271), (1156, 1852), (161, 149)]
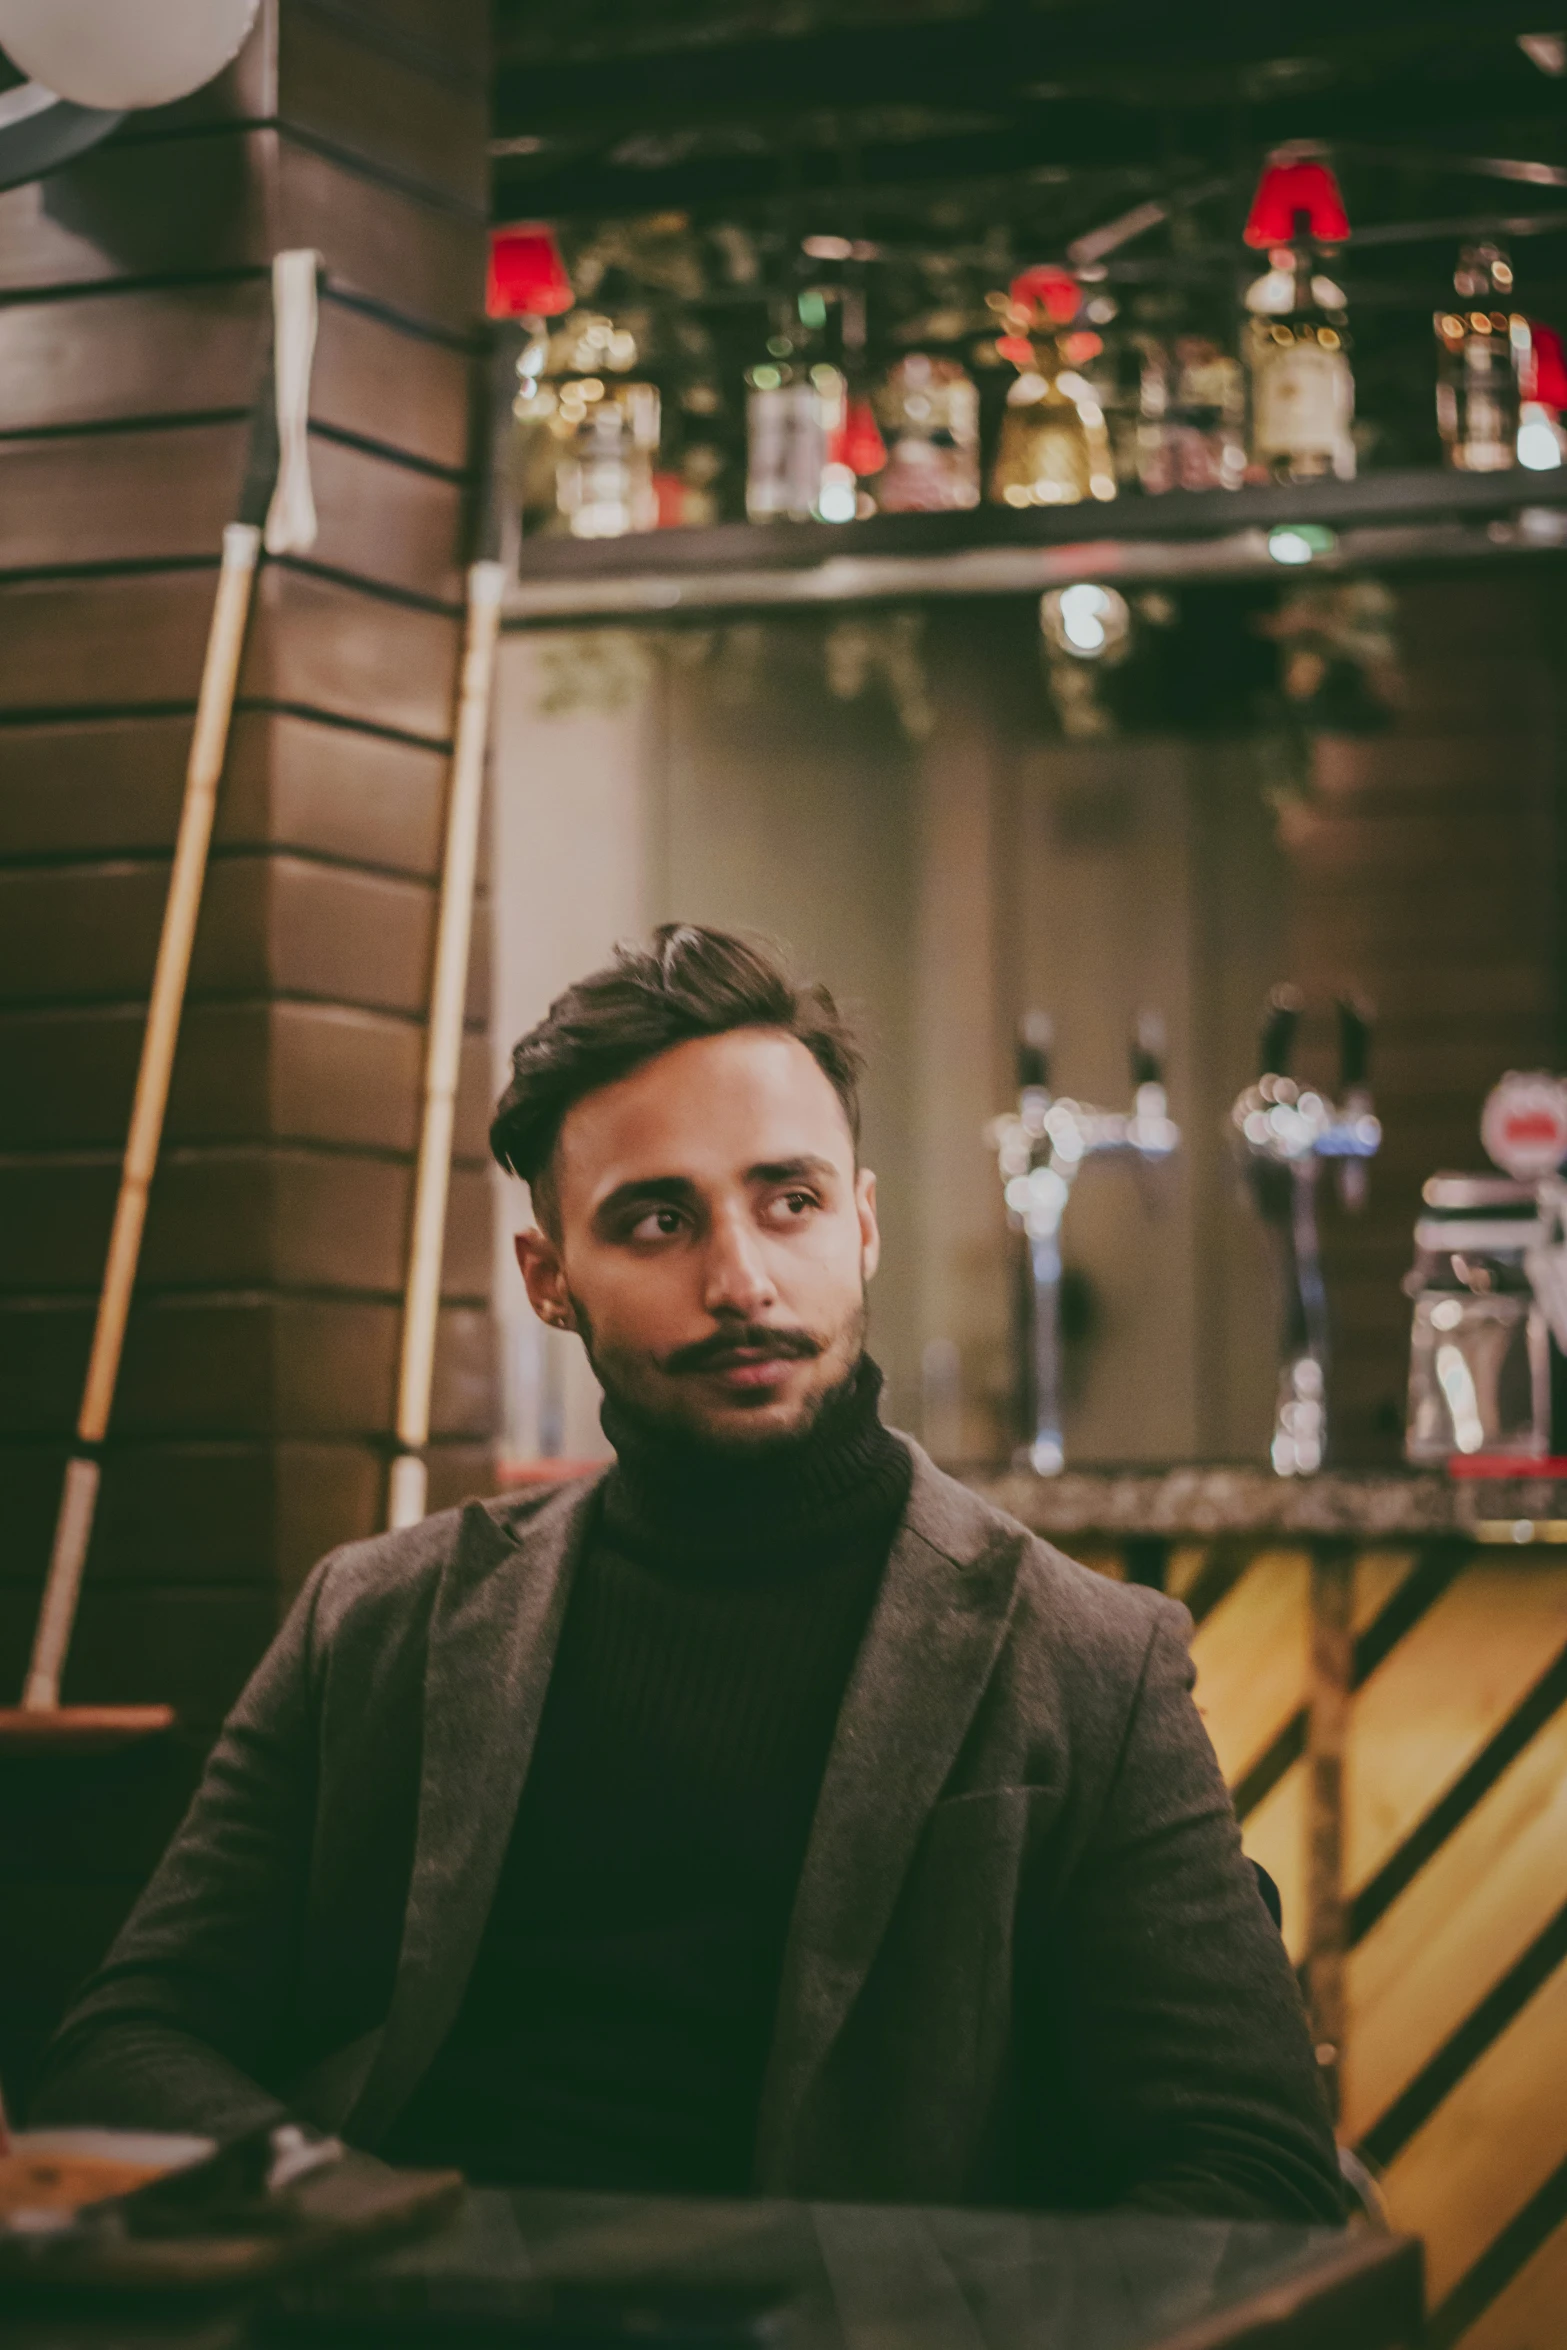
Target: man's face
[(715, 1238)]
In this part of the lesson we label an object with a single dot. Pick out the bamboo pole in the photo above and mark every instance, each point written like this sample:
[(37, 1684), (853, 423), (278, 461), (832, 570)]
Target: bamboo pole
[(209, 743), (409, 1483), (290, 523)]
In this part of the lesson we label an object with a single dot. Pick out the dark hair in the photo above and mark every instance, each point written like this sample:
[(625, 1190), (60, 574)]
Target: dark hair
[(686, 982)]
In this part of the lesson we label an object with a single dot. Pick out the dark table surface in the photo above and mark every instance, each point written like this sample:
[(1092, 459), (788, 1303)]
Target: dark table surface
[(877, 2277)]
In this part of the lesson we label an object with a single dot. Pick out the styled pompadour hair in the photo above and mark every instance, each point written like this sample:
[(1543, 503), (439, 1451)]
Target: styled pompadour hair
[(686, 982)]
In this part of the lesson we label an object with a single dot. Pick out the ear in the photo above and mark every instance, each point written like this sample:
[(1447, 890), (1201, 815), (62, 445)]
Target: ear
[(543, 1278), (870, 1230)]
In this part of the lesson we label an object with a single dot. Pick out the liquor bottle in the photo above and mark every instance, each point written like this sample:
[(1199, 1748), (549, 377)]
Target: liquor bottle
[(1542, 446), (1482, 356), (1302, 386), (928, 409), (1053, 448), (796, 405), (1192, 428), (589, 429)]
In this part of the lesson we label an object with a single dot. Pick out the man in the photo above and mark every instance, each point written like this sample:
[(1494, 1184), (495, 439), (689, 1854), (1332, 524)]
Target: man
[(767, 1814)]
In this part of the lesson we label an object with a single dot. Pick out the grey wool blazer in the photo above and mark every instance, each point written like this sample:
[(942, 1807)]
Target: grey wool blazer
[(1027, 1963)]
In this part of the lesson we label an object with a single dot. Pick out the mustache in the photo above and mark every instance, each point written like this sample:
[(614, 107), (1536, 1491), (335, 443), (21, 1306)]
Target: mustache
[(706, 1354)]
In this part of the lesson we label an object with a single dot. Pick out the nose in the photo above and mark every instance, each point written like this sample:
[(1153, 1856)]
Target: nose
[(737, 1282)]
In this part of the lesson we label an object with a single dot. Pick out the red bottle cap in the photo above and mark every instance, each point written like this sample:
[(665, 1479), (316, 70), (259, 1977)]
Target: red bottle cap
[(858, 443), (1288, 188), (1547, 367), (1050, 288), (527, 277)]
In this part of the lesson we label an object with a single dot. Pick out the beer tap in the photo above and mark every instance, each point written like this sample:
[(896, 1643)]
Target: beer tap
[(1041, 1149), (1283, 1132)]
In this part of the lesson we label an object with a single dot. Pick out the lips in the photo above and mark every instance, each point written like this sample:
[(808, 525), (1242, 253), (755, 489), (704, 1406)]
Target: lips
[(750, 1366)]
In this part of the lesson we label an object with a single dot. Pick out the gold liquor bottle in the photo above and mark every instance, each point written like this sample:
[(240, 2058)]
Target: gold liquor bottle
[(1054, 448)]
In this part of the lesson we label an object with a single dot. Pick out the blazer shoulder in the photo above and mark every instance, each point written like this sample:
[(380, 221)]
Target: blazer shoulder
[(1082, 1616), (395, 1575)]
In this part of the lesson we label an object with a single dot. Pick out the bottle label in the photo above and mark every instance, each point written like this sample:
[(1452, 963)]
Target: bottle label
[(1304, 401)]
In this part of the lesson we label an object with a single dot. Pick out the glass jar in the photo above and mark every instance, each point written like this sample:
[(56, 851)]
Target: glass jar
[(1479, 1350)]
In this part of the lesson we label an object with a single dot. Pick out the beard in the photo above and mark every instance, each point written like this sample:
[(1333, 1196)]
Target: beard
[(662, 1395)]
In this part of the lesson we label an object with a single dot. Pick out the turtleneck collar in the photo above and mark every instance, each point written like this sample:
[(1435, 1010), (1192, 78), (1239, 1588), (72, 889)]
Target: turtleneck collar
[(686, 1504)]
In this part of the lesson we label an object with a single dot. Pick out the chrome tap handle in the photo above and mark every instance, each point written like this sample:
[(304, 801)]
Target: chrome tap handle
[(1354, 1053), (1035, 1036), (1354, 1044), (1147, 1050), (1280, 1022)]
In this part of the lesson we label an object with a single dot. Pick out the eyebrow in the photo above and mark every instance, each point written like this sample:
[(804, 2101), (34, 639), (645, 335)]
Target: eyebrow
[(677, 1191), (789, 1170)]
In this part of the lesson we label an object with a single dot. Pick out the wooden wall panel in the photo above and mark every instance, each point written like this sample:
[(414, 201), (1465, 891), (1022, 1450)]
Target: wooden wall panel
[(289, 1071), (1527, 2314), (370, 103), (111, 787), (1490, 2144), (270, 925), (122, 352), (423, 262), (1443, 1692), (191, 1649), (219, 1364), (453, 34), (239, 1217), (1252, 1658), (407, 390), (251, 1424), (1274, 1833), (403, 108), (184, 208), (317, 645), (163, 493), (130, 643), (223, 201), (1467, 1917), (1454, 2025), (220, 1511)]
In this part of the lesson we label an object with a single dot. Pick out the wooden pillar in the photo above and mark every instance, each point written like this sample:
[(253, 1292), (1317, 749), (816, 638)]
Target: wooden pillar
[(1327, 1725), (257, 1392)]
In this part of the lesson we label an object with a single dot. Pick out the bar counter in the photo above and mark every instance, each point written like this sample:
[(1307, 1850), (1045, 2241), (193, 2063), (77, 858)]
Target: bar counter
[(849, 2278), (1200, 1502), (1381, 1662)]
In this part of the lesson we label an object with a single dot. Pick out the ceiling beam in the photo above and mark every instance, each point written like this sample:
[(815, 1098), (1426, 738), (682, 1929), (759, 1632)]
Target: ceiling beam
[(974, 60), (1079, 134)]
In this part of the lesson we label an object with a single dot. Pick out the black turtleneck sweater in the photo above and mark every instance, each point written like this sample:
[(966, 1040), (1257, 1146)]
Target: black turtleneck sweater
[(617, 2023)]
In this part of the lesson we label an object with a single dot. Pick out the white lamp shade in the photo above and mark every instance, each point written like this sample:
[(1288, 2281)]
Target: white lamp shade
[(123, 53)]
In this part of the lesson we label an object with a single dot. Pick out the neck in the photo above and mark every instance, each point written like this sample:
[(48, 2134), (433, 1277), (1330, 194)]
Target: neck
[(700, 1504)]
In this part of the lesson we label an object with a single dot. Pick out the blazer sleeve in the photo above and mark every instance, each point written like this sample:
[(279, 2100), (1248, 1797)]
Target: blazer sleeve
[(182, 2022), (1194, 2071)]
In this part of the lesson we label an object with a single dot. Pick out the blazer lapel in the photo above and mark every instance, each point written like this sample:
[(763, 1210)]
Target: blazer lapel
[(932, 1643), (493, 1634)]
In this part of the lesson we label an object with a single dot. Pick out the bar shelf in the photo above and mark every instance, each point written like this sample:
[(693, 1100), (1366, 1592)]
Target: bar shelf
[(1415, 515)]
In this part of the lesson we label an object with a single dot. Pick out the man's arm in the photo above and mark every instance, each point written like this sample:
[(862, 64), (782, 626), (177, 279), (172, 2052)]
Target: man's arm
[(1181, 2024), (186, 2011)]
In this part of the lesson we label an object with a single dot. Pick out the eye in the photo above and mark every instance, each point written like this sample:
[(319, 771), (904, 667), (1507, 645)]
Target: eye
[(790, 1207), (656, 1224)]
